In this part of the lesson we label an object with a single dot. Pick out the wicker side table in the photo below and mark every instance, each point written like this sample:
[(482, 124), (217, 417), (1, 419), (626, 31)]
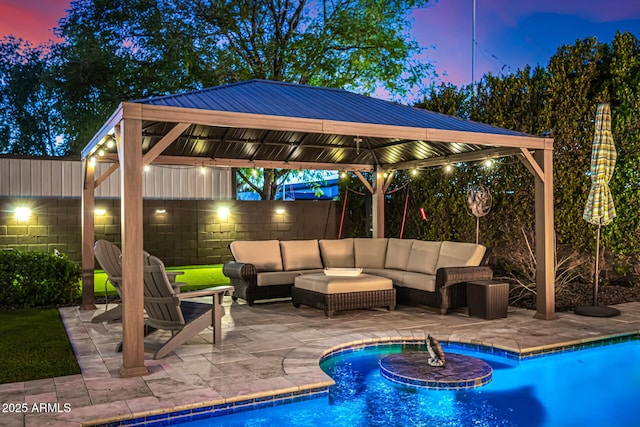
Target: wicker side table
[(487, 299)]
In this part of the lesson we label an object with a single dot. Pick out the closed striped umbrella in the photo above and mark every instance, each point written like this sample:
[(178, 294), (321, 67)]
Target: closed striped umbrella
[(600, 209)]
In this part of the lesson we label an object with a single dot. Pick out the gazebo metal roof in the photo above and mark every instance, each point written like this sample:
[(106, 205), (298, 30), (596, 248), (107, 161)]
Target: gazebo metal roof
[(351, 131), (281, 125)]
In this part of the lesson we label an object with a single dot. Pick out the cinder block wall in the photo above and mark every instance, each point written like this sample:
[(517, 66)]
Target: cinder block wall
[(187, 232)]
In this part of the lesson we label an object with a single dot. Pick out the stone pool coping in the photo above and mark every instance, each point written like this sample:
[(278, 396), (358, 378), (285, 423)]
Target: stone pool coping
[(272, 349)]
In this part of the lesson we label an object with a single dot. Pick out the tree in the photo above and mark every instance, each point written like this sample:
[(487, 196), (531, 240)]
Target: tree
[(115, 51), (29, 119), (352, 44), (559, 100), (128, 49)]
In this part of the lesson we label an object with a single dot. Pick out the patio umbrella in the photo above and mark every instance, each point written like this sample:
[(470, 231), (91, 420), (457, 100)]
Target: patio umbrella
[(600, 209)]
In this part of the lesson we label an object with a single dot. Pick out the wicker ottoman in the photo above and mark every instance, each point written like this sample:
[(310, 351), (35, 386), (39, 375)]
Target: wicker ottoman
[(333, 293), (487, 299)]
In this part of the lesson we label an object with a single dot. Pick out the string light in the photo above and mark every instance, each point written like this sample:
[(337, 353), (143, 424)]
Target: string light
[(448, 168)]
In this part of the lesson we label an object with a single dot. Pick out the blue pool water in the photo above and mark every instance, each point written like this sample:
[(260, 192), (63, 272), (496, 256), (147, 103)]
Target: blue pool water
[(594, 387)]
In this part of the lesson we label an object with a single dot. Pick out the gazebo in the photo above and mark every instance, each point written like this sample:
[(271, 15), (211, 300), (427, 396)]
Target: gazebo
[(272, 124)]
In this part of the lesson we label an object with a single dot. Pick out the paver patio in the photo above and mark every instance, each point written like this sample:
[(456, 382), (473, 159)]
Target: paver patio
[(266, 348)]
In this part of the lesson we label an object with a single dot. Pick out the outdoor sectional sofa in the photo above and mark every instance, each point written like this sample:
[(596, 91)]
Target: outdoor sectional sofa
[(428, 273)]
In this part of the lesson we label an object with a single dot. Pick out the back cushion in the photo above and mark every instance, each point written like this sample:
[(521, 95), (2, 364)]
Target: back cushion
[(300, 255), (337, 253), (459, 254), (370, 253), (264, 254), (398, 254), (424, 257)]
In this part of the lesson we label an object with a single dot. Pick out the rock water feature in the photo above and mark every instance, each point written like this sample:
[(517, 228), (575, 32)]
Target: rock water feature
[(436, 370)]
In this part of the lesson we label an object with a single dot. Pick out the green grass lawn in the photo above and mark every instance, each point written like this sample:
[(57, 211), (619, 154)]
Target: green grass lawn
[(34, 345), (196, 277)]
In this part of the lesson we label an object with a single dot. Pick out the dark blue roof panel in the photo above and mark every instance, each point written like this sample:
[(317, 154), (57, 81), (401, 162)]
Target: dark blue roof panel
[(301, 101)]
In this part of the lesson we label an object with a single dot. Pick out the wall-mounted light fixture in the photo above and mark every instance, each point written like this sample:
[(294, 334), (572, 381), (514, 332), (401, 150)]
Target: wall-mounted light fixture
[(223, 212), (100, 211), (280, 211), (22, 213), (161, 211)]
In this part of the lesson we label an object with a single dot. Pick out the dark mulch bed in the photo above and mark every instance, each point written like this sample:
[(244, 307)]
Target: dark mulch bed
[(576, 294)]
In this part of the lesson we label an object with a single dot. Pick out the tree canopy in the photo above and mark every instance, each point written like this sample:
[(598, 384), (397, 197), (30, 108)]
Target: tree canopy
[(128, 49)]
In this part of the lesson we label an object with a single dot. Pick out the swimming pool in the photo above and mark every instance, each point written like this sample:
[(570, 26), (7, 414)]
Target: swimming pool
[(597, 386)]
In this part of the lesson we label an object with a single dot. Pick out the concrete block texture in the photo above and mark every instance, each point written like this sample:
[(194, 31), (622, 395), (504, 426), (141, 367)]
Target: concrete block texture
[(180, 232)]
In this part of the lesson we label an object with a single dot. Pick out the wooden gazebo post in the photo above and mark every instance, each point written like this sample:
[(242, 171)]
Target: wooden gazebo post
[(545, 245), (88, 234), (130, 156)]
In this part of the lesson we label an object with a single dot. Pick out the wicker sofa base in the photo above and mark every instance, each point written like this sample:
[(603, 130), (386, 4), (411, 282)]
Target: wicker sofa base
[(331, 303), (456, 297)]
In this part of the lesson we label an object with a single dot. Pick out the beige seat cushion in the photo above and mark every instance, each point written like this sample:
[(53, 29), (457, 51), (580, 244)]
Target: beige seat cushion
[(395, 275), (337, 253), (420, 281), (370, 253), (272, 278), (398, 254), (300, 255), (264, 254), (460, 254), (342, 284), (424, 257)]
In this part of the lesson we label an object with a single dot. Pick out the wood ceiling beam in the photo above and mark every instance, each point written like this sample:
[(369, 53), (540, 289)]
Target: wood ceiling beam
[(166, 141), (455, 158), (241, 163), (333, 127)]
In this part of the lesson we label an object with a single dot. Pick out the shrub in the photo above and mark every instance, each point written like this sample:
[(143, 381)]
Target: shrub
[(37, 279)]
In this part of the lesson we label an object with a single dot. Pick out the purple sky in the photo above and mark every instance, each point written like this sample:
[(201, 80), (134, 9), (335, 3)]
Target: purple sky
[(513, 33), (509, 33)]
